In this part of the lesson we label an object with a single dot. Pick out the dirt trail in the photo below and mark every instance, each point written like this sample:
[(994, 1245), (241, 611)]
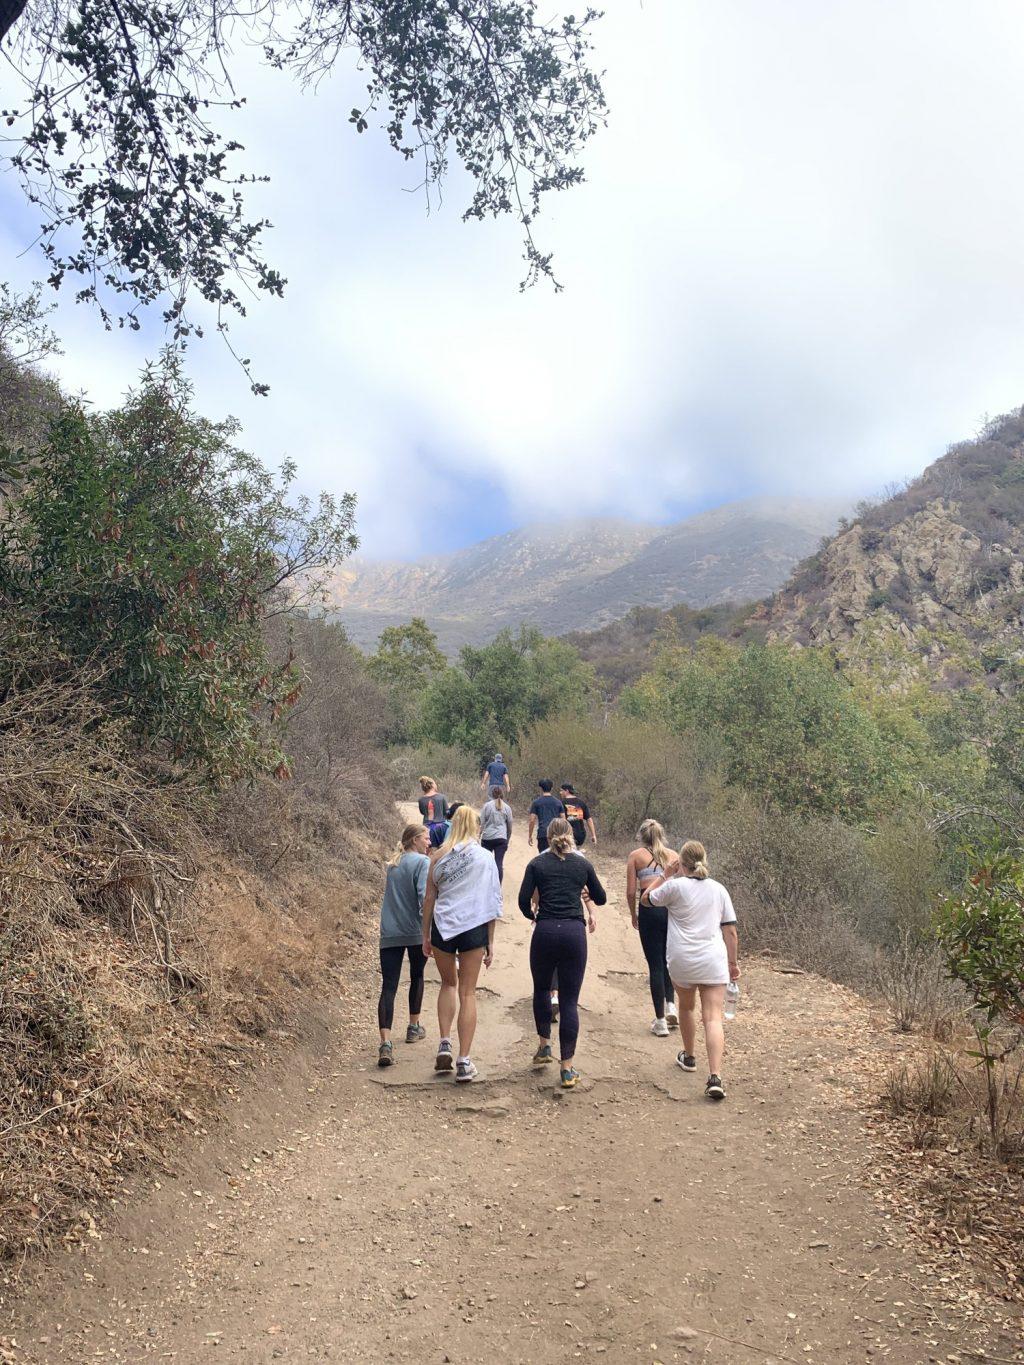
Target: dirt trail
[(349, 1214)]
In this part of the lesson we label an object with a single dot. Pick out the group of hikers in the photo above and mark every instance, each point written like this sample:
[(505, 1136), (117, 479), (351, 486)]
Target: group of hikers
[(443, 899)]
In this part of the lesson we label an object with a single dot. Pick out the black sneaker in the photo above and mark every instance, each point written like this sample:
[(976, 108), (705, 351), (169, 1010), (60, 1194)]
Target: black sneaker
[(714, 1089), (686, 1061)]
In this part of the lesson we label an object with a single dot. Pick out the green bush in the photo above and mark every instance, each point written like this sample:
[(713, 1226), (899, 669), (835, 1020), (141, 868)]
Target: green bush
[(790, 727), (144, 544), (982, 936), (497, 692), (628, 770)]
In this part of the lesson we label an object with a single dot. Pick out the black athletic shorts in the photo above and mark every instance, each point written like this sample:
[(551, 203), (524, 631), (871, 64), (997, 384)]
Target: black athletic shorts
[(465, 942)]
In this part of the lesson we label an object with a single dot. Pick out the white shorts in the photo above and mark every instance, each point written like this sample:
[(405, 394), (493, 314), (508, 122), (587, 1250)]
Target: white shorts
[(704, 963)]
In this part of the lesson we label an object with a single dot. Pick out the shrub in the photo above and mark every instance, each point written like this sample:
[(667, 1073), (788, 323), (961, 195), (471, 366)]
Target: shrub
[(982, 936), (628, 770), (145, 542)]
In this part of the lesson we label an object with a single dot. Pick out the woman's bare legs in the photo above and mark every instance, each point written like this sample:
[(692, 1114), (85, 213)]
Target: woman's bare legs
[(688, 1017), (469, 973), (712, 1002), (447, 996)]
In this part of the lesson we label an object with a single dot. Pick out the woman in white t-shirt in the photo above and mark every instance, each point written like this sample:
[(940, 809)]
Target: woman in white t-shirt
[(703, 947), (462, 904)]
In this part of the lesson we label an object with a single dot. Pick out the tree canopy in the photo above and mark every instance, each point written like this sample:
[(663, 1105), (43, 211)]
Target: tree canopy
[(144, 547), (121, 131)]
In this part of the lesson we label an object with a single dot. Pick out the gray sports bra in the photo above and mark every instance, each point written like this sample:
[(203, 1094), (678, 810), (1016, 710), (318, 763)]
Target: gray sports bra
[(648, 873)]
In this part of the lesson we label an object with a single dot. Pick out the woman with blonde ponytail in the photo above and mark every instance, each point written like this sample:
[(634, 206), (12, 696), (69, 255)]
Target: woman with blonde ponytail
[(400, 913), (651, 921), (703, 952), (552, 895)]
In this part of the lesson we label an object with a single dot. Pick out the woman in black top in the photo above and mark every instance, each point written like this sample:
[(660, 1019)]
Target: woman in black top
[(554, 887)]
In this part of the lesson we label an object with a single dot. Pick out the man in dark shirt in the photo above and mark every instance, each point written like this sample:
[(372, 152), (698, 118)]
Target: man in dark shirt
[(577, 812), (496, 775), (543, 810)]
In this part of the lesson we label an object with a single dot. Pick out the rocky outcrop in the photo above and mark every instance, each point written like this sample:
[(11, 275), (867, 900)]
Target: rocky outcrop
[(956, 601)]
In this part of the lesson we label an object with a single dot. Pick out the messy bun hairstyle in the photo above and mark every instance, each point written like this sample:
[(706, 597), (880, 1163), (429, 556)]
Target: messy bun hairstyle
[(652, 836), (694, 858), (426, 783), (560, 838)]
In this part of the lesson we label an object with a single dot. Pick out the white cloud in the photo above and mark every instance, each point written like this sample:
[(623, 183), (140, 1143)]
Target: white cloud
[(796, 266)]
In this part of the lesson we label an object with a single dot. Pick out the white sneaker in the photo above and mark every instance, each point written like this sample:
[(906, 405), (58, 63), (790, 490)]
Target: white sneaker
[(660, 1028), (671, 1016)]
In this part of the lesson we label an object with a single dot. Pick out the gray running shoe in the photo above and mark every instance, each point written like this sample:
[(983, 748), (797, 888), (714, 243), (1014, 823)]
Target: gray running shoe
[(414, 1033), (385, 1055), (465, 1072), (543, 1055), (445, 1059)]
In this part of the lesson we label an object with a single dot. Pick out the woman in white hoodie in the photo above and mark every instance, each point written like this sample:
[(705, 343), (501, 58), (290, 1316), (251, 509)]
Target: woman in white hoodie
[(460, 909)]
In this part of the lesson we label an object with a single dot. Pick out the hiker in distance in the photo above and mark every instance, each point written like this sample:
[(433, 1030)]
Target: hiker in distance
[(433, 805), (577, 812), (401, 933), (703, 953), (496, 828), (552, 895), (460, 908), (496, 775), (543, 809), (643, 865)]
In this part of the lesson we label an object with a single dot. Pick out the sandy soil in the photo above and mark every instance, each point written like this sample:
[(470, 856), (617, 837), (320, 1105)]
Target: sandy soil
[(343, 1213)]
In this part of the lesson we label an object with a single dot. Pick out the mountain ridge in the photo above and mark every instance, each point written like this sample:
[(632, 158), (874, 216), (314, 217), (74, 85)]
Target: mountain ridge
[(584, 573)]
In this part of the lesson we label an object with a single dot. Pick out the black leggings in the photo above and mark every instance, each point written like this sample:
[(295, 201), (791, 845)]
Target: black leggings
[(558, 945), (499, 847), (653, 923), (391, 971)]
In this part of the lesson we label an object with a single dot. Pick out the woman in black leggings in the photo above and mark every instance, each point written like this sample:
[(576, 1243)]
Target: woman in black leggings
[(401, 932), (552, 895), (651, 921)]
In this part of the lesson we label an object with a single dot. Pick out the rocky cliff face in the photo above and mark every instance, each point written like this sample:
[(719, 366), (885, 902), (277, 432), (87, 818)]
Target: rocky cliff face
[(932, 579)]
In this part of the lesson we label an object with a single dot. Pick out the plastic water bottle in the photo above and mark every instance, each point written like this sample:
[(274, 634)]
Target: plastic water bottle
[(732, 999)]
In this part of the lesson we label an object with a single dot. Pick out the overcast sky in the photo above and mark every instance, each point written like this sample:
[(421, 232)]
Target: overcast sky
[(797, 266)]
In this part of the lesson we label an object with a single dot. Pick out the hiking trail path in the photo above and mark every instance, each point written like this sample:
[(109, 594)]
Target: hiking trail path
[(340, 1212)]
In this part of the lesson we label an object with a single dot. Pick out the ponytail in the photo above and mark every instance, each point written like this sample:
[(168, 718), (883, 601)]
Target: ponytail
[(496, 797), (694, 858), (405, 843), (560, 838), (652, 836)]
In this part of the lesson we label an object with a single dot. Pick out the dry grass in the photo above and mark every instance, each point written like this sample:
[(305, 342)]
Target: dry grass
[(138, 965)]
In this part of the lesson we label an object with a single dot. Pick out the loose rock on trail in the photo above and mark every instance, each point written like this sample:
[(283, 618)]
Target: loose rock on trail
[(348, 1214)]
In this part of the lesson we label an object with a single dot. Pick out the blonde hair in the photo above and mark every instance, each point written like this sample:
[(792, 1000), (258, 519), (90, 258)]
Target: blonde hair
[(426, 783), (496, 798), (560, 838), (693, 855), (405, 843), (652, 836), (465, 829)]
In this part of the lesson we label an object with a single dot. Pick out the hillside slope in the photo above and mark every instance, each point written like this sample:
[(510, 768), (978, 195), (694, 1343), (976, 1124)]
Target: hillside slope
[(930, 580), (579, 575)]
